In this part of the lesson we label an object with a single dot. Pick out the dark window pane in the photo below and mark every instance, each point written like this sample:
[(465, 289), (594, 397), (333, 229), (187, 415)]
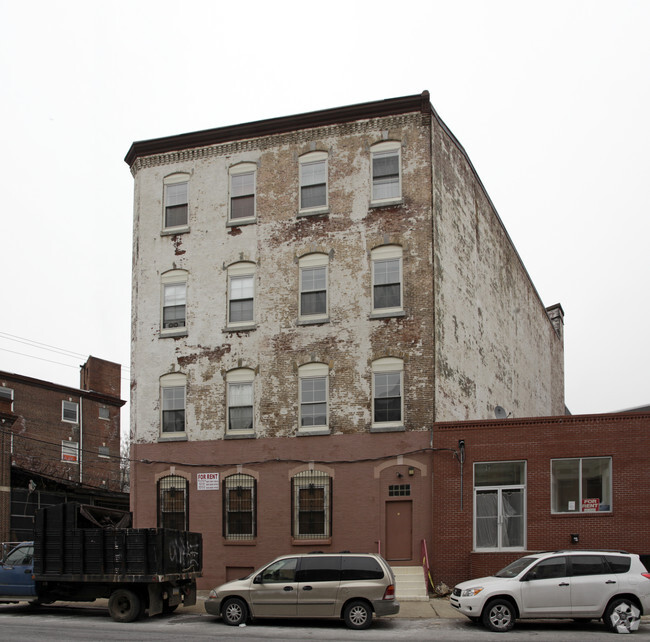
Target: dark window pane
[(385, 165), (319, 569), (241, 310), (173, 420), (618, 564), (588, 565), (242, 207), (241, 418), (313, 303), (176, 215), (313, 196), (387, 296), (552, 568), (388, 410), (314, 414), (174, 316)]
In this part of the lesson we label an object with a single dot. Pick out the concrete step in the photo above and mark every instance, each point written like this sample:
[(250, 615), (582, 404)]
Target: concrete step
[(411, 584)]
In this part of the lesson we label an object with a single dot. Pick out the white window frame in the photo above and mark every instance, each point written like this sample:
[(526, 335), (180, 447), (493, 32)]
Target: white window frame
[(8, 395), (501, 515), (70, 452), (383, 149), (239, 271), (170, 182), (174, 381), (239, 170), (309, 160), (311, 262), (70, 405), (387, 365), (381, 255), (107, 412), (581, 506), (172, 279), (239, 377), (309, 372)]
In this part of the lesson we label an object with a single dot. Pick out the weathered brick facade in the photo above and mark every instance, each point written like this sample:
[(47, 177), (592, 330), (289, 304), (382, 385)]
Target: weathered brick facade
[(469, 331)]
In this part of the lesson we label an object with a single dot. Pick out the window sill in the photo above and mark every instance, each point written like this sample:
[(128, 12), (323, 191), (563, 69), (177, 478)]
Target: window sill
[(387, 315), (315, 212), (173, 231), (239, 435), (318, 321), (239, 542), (592, 513), (302, 432), (387, 428), (244, 221), (172, 436), (325, 541), (175, 333), (389, 202), (240, 328)]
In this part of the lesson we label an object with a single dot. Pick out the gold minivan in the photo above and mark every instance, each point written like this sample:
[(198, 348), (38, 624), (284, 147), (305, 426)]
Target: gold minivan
[(350, 586)]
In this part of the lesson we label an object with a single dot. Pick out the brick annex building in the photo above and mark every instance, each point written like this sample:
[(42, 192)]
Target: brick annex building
[(58, 444), (311, 295)]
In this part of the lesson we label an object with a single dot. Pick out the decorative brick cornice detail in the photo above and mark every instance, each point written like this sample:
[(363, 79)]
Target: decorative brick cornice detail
[(300, 136)]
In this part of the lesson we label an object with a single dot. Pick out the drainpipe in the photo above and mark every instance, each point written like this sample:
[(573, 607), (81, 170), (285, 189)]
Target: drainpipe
[(81, 439)]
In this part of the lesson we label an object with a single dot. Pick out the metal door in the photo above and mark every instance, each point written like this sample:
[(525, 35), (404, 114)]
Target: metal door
[(399, 530)]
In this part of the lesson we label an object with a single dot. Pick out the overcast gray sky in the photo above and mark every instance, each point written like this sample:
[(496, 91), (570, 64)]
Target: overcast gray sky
[(551, 101)]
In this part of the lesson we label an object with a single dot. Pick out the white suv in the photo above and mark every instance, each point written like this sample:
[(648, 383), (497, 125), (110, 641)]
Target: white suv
[(582, 585)]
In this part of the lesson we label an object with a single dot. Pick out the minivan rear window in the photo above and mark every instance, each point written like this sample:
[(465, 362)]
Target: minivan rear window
[(360, 568)]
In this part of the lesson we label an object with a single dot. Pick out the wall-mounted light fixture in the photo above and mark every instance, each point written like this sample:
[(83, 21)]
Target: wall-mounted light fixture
[(411, 471), (575, 538)]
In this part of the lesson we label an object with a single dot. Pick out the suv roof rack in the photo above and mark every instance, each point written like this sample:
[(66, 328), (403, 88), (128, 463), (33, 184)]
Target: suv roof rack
[(591, 550)]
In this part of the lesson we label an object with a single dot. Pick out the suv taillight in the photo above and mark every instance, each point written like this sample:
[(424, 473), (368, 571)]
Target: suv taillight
[(646, 575), (389, 593)]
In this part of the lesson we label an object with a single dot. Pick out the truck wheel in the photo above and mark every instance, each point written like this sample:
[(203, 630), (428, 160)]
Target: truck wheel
[(357, 615), (234, 611), (124, 606)]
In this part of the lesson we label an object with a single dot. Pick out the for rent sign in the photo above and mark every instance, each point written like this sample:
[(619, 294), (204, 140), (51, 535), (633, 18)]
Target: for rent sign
[(207, 481), (590, 505)]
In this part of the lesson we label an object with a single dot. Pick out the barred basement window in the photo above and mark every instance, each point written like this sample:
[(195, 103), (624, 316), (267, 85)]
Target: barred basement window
[(173, 509), (239, 507), (399, 490), (311, 493)]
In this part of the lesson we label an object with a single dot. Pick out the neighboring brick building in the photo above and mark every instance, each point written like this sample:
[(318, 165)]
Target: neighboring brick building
[(538, 484), (319, 288), (59, 444)]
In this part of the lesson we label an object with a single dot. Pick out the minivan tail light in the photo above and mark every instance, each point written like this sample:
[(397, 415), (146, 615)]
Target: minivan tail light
[(389, 593)]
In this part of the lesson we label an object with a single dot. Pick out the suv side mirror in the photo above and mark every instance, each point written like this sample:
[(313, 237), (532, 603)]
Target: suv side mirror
[(532, 575)]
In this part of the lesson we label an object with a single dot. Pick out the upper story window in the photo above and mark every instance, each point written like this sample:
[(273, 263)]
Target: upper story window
[(241, 295), (313, 287), (8, 395), (242, 193), (239, 384), (313, 182), (172, 393), (581, 485), (174, 300), (386, 173), (499, 505), (104, 412), (387, 387), (313, 396), (70, 412), (173, 503), (70, 452), (387, 280), (176, 201)]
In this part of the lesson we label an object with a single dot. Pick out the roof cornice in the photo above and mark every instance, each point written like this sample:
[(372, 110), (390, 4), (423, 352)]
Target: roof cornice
[(380, 108)]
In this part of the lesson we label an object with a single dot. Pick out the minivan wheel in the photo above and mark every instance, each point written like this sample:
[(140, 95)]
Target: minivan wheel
[(499, 615), (357, 615), (622, 616), (234, 611)]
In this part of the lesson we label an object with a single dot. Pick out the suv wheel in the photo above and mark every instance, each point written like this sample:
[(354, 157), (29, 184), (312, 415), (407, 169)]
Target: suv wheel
[(234, 611), (357, 615), (499, 615), (622, 616)]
